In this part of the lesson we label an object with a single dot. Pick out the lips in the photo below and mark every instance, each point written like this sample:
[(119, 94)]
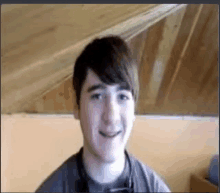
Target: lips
[(109, 135)]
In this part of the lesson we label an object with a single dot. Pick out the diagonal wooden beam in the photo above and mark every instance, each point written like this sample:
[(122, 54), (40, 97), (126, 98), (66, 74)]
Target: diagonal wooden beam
[(170, 32), (24, 86), (179, 62), (189, 20)]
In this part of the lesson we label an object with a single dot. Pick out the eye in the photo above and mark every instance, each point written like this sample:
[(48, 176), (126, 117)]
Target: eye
[(96, 97), (123, 97)]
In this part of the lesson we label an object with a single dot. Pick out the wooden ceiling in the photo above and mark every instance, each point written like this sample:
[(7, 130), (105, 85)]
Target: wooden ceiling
[(182, 64), (176, 47)]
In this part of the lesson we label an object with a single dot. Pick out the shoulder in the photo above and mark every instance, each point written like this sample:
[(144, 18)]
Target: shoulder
[(56, 182), (148, 176)]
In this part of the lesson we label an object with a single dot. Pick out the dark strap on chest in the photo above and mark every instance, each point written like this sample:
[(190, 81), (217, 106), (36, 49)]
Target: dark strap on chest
[(81, 184), (74, 184)]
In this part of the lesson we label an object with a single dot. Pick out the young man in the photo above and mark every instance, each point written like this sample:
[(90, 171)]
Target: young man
[(106, 85)]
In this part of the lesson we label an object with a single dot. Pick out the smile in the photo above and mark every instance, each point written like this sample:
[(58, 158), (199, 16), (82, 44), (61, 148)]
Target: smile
[(109, 135)]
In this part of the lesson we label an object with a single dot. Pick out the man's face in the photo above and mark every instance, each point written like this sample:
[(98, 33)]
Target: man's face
[(106, 117)]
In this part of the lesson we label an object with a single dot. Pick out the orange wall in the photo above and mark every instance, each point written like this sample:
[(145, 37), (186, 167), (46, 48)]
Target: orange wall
[(34, 145)]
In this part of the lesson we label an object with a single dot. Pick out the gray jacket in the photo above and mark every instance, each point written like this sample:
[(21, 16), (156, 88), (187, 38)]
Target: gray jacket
[(71, 177)]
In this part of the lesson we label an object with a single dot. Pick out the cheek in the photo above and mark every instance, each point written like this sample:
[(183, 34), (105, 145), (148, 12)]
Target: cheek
[(91, 119), (85, 118), (96, 110), (130, 117), (129, 112), (95, 114)]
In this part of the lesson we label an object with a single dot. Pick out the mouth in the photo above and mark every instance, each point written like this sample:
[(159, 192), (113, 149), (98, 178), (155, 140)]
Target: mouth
[(109, 135)]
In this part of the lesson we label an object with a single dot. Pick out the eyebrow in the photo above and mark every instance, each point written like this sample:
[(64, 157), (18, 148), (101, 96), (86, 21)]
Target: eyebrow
[(96, 87), (103, 87)]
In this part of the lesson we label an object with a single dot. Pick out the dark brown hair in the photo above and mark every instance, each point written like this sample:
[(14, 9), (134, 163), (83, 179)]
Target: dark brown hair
[(110, 59)]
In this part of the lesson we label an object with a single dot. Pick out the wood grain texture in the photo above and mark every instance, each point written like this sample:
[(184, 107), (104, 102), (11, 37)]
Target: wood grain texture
[(59, 100), (176, 52), (186, 41), (188, 95), (137, 44), (170, 32), (197, 77), (40, 45), (184, 93), (152, 42)]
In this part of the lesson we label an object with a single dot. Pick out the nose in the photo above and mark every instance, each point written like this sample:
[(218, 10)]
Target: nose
[(111, 113)]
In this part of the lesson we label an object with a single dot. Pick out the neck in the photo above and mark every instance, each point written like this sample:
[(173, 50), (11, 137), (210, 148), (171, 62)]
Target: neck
[(100, 171)]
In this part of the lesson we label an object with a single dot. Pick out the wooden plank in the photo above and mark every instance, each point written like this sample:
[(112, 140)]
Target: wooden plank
[(154, 37), (206, 103), (209, 44), (58, 100), (212, 84), (42, 64), (178, 82), (185, 86), (184, 98), (136, 45), (184, 95), (206, 47), (170, 32), (213, 70), (184, 31)]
